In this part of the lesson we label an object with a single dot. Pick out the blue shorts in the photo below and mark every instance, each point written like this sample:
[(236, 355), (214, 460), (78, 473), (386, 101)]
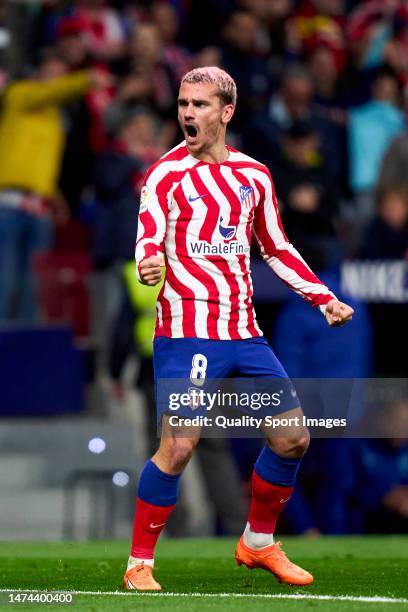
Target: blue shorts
[(173, 358), (199, 362)]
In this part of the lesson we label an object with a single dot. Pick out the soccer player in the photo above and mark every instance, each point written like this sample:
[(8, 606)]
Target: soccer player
[(199, 206)]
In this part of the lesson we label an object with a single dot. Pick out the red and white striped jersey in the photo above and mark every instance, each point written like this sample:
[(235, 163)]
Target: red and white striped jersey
[(201, 217)]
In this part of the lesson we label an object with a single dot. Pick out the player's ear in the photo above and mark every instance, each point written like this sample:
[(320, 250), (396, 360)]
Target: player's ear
[(227, 113)]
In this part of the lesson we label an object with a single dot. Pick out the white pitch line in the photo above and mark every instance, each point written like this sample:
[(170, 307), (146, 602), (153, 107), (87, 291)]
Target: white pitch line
[(361, 599)]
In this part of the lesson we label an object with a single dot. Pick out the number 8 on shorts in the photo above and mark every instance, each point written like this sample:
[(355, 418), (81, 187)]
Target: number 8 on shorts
[(198, 370)]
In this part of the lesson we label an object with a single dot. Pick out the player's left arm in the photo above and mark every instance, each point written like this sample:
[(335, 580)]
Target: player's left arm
[(286, 261)]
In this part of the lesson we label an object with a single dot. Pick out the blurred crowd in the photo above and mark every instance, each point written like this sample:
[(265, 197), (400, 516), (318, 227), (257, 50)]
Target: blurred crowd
[(323, 98), (88, 103)]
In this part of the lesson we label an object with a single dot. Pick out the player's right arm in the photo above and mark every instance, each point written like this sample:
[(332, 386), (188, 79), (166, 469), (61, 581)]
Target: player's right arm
[(150, 270), (152, 225)]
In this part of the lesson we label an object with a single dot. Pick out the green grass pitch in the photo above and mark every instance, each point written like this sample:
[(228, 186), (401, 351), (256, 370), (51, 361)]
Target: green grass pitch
[(201, 575)]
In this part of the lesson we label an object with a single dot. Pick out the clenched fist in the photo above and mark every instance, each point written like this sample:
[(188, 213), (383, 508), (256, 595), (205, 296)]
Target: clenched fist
[(338, 313), (150, 270)]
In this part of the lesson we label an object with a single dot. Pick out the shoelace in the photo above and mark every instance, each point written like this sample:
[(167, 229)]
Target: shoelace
[(285, 560), (282, 554)]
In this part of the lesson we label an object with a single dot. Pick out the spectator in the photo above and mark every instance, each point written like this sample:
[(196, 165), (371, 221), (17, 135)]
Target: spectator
[(32, 144), (177, 58), (272, 37), (369, 28), (386, 238), (103, 29), (77, 160), (148, 79), (363, 483), (315, 23), (384, 468), (300, 348), (397, 48), (378, 34), (304, 187), (380, 494), (393, 175), (331, 99), (323, 509), (241, 58), (372, 126), (118, 179), (325, 76), (292, 101), (72, 44), (261, 10), (96, 101), (377, 493)]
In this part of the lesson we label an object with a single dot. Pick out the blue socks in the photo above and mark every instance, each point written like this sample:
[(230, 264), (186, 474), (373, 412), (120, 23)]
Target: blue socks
[(156, 487), (161, 489), (275, 469)]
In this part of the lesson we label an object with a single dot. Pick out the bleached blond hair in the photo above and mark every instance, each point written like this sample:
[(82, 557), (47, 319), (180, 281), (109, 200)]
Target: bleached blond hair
[(227, 89)]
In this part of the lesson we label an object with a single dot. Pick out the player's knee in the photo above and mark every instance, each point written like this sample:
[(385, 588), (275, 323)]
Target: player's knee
[(298, 445), (180, 454), (293, 446), (302, 443)]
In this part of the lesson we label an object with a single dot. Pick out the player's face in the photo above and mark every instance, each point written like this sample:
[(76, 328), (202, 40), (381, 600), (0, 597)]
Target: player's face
[(202, 117)]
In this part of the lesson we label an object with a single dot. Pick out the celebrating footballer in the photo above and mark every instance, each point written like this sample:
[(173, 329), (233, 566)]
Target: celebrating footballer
[(201, 204)]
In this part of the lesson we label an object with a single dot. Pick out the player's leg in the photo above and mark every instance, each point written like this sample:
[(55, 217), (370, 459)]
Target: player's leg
[(273, 477), (156, 499), (178, 359)]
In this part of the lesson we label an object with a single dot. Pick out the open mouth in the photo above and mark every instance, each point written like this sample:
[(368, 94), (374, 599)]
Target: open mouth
[(191, 131)]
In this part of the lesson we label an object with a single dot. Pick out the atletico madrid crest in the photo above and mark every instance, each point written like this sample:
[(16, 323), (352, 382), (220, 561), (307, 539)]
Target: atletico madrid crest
[(247, 196)]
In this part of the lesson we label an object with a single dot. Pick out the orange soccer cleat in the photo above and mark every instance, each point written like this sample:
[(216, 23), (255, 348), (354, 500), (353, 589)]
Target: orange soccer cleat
[(273, 559), (140, 578)]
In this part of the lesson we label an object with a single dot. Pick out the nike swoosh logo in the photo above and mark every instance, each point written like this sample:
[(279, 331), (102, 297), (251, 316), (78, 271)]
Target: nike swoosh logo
[(193, 199), (283, 501), (153, 526)]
